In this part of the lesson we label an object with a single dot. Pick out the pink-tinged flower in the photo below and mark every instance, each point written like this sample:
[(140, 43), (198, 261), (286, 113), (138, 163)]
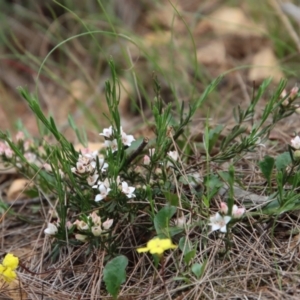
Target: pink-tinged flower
[(127, 139), (218, 222), (128, 190), (95, 218), (31, 157), (295, 142), (107, 224), (113, 145), (92, 179), (20, 136), (237, 212), (47, 167), (107, 132), (293, 93), (51, 229), (103, 193), (80, 237), (96, 230), (81, 225), (146, 160), (223, 208), (69, 225), (8, 152)]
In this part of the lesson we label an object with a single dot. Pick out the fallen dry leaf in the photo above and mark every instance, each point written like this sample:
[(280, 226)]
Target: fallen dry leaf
[(212, 53), (12, 290), (17, 188), (159, 38), (229, 20), (265, 65)]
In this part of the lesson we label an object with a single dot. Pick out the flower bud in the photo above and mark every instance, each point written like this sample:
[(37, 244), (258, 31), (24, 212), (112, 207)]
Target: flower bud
[(80, 237), (237, 212), (81, 225), (107, 224), (146, 160), (180, 221), (96, 230), (158, 171), (297, 154), (223, 208), (293, 93)]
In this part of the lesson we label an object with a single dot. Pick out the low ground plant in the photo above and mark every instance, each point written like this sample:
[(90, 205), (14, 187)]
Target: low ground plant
[(172, 196)]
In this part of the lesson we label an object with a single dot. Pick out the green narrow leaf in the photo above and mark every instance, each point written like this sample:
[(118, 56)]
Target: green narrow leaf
[(114, 274)]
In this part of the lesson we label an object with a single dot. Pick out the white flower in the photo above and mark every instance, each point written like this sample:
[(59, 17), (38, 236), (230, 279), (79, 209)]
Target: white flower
[(128, 190), (80, 237), (111, 144), (295, 142), (99, 182), (146, 160), (8, 152), (219, 222), (95, 218), (107, 132), (80, 168), (92, 179), (237, 212), (173, 155), (51, 229), (127, 139), (180, 222), (96, 230), (151, 152), (103, 165), (103, 193), (81, 225), (107, 224)]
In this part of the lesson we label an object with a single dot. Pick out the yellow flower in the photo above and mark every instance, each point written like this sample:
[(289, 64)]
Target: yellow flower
[(8, 266), (157, 246)]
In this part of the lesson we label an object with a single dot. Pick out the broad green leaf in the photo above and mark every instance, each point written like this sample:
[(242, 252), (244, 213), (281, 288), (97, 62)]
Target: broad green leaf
[(198, 269), (189, 256), (267, 166), (114, 274), (171, 198), (282, 161), (162, 220), (184, 245)]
